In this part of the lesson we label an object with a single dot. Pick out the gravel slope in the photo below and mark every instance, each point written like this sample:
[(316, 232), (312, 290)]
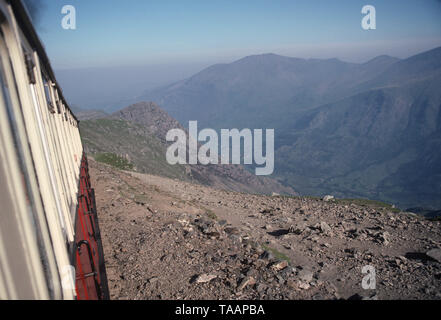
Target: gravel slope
[(167, 239)]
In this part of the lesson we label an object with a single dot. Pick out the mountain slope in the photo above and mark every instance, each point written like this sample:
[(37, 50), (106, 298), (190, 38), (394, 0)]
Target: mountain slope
[(423, 66), (381, 144), (137, 133), (164, 243), (130, 141)]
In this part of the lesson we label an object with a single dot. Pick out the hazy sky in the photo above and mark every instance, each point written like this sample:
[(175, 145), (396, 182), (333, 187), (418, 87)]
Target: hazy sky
[(121, 48), (141, 32)]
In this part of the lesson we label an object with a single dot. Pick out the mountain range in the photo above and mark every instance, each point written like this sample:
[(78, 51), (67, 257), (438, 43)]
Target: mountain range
[(369, 130)]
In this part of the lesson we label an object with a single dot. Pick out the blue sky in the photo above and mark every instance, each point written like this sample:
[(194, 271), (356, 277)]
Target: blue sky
[(141, 32)]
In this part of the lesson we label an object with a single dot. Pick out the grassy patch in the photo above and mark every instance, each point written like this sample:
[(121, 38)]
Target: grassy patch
[(358, 201), (302, 197), (141, 198), (368, 203), (113, 160), (211, 214), (279, 255)]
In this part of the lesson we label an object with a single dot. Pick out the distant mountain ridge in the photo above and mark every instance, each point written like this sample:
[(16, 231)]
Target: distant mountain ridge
[(354, 130), (254, 90)]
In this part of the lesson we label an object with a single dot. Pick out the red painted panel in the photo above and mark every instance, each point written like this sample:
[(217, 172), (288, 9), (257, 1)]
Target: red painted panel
[(91, 281)]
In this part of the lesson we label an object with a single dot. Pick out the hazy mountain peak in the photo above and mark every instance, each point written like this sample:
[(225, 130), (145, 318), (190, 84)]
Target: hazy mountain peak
[(435, 52), (265, 57), (382, 59), (141, 112), (150, 116), (148, 105), (426, 61), (426, 65), (262, 55)]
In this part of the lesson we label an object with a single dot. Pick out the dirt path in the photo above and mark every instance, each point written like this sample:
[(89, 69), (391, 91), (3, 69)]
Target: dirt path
[(166, 239)]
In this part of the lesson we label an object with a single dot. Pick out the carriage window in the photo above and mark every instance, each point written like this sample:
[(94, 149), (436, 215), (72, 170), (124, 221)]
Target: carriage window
[(29, 61), (47, 93)]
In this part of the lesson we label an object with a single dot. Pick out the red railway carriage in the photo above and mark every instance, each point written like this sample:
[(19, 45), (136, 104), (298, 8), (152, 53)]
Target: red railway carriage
[(50, 245)]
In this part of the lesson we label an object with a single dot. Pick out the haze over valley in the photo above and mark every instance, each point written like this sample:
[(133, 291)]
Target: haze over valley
[(353, 130)]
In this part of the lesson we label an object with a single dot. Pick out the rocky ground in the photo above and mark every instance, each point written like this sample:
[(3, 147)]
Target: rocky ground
[(167, 239)]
